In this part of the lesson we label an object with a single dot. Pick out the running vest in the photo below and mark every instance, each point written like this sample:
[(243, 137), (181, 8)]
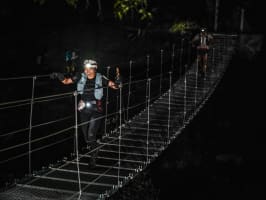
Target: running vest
[(203, 40), (98, 91)]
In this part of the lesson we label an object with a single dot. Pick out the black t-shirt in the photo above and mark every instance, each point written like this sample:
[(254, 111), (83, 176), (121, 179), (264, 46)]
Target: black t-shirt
[(202, 39), (88, 94)]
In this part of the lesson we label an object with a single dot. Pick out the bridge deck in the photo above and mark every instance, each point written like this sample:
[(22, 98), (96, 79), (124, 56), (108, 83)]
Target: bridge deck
[(61, 180)]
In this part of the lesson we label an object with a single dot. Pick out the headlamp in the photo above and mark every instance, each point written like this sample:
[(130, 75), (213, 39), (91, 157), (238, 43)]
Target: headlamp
[(88, 104), (90, 64)]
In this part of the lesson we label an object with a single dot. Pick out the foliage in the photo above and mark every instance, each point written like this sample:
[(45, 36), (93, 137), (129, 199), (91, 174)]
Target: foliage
[(121, 8), (72, 3), (182, 27), (139, 7)]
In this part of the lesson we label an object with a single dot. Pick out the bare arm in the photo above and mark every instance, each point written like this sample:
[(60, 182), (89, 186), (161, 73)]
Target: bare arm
[(112, 85), (67, 81)]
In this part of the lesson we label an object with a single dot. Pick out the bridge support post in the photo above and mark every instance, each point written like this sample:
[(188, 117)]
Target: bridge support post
[(147, 77), (106, 103), (120, 135), (169, 107), (185, 96), (196, 83), (213, 60), (76, 142), (242, 20), (30, 121), (173, 58), (189, 53), (129, 87), (216, 14), (148, 120), (148, 66), (117, 110), (181, 57), (161, 72)]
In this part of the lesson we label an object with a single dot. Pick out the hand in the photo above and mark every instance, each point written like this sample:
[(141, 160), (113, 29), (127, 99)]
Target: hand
[(53, 75), (57, 75), (81, 105), (112, 85), (60, 76)]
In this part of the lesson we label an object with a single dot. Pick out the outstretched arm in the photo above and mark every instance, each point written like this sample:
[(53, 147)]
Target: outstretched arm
[(112, 85), (67, 81), (61, 77)]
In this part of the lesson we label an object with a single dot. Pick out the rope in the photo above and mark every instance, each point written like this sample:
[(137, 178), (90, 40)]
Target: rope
[(76, 142), (129, 86), (148, 121), (107, 102), (36, 126), (185, 98), (148, 67), (36, 140), (173, 58), (169, 106), (38, 99), (119, 137), (181, 55), (161, 70), (30, 126), (196, 82), (24, 77), (35, 150), (56, 96)]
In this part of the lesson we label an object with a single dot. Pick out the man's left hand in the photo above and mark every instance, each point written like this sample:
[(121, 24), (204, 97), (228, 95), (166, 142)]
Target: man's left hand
[(112, 85)]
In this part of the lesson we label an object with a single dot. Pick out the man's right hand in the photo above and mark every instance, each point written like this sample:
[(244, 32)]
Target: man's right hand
[(57, 75)]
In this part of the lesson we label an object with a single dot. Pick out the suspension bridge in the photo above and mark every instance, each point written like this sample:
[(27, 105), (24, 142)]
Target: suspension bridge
[(148, 113)]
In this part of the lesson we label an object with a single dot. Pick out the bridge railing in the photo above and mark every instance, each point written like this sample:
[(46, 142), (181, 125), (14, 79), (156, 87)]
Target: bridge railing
[(35, 127), (38, 114)]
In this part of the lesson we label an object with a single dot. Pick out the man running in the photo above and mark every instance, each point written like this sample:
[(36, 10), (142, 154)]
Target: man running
[(90, 86), (202, 41)]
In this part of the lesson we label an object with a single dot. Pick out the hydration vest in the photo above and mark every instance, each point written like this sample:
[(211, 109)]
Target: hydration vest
[(98, 90), (203, 40)]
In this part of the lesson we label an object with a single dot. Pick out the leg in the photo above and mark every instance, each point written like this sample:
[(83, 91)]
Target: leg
[(84, 117), (200, 64), (94, 129), (205, 60)]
